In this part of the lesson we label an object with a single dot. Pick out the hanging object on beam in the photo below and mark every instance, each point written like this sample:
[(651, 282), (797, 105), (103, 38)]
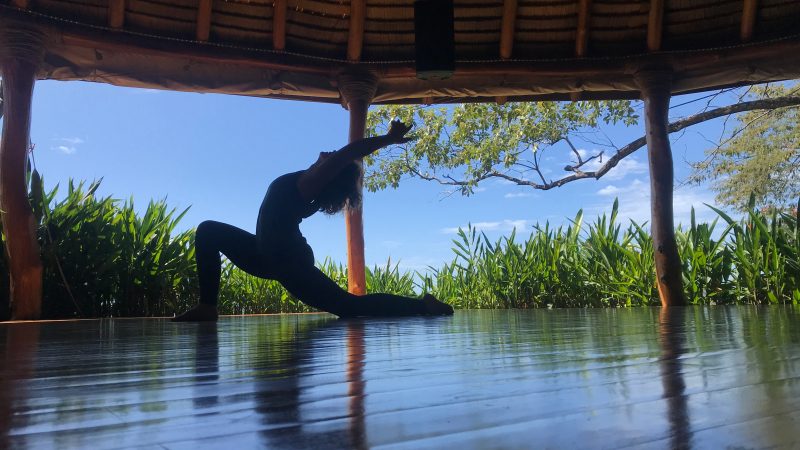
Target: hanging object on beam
[(434, 43)]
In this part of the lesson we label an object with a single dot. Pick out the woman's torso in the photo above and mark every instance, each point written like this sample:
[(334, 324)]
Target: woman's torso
[(278, 226)]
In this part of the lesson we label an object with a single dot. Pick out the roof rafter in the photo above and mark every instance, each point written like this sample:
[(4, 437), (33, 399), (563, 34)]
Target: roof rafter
[(749, 10), (279, 25), (582, 34), (355, 40), (655, 24), (204, 20), (116, 13), (507, 28), (507, 36)]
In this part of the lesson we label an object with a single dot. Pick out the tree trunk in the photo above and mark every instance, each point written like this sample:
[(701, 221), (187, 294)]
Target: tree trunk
[(655, 87)]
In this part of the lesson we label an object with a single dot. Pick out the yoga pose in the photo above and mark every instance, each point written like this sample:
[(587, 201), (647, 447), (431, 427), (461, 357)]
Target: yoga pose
[(278, 251)]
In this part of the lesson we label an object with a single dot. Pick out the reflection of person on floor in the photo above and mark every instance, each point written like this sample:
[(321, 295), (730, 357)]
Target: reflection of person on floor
[(278, 251)]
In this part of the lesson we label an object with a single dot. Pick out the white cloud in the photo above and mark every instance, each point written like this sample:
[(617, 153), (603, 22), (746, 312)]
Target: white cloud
[(518, 194), (478, 189), (72, 141), (67, 145), (627, 166), (609, 190), (634, 203), (501, 226)]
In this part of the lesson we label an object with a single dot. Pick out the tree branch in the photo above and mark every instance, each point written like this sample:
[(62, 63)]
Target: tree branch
[(627, 150), (769, 104)]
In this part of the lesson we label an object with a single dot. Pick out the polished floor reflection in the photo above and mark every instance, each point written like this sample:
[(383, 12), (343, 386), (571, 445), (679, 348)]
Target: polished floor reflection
[(712, 377)]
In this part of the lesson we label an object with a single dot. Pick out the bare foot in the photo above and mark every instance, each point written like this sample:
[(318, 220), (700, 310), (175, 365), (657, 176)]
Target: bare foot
[(435, 307), (200, 313)]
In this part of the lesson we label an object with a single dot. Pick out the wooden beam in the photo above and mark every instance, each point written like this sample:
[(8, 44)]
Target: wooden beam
[(357, 88), (279, 25), (655, 88), (355, 41), (19, 224), (507, 28), (655, 24), (620, 67), (116, 13), (582, 34), (749, 10), (354, 221), (779, 57), (203, 32)]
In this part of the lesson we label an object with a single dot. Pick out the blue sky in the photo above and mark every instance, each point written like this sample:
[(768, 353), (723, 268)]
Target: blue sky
[(219, 153)]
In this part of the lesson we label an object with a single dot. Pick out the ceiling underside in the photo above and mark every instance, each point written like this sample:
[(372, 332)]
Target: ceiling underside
[(512, 50)]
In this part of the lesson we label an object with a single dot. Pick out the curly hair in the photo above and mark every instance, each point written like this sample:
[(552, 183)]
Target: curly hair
[(342, 191)]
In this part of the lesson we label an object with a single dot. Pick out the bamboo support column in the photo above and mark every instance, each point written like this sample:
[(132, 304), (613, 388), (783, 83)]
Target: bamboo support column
[(21, 52), (357, 90), (655, 89)]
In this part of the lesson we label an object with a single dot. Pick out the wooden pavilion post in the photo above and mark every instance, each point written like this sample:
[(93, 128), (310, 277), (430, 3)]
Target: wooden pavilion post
[(357, 89), (655, 89), (21, 52)]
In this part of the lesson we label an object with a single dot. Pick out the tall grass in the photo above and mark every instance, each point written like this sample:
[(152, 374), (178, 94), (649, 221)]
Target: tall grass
[(102, 259), (753, 260)]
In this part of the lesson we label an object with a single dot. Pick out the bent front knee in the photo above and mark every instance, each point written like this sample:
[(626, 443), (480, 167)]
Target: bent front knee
[(206, 231)]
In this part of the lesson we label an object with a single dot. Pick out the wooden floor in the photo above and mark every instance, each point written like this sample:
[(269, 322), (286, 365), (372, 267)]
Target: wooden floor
[(694, 378)]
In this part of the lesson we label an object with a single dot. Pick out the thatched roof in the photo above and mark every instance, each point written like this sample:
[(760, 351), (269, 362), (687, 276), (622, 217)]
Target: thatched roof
[(512, 49)]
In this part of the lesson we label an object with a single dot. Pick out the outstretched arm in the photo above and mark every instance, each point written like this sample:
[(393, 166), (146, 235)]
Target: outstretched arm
[(316, 177)]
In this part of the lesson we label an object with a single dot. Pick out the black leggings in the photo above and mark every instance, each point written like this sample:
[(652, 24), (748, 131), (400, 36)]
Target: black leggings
[(303, 280)]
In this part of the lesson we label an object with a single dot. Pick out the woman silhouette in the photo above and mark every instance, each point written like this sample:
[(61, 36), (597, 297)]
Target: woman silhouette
[(278, 250)]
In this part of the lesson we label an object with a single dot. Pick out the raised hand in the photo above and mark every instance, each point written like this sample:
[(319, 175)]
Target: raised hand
[(397, 132)]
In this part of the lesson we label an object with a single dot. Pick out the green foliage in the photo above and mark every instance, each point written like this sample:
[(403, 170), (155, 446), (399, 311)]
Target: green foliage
[(470, 141), (759, 157), (552, 268), (101, 259), (241, 293), (390, 279), (755, 260)]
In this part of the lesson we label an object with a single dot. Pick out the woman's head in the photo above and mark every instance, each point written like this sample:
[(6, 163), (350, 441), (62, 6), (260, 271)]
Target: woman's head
[(341, 191)]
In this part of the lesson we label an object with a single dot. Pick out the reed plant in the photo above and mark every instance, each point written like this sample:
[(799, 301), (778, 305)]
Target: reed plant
[(753, 260), (103, 259)]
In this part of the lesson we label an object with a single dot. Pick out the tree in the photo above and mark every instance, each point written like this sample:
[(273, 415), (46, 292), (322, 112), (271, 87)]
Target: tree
[(466, 144), (461, 146), (759, 157)]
